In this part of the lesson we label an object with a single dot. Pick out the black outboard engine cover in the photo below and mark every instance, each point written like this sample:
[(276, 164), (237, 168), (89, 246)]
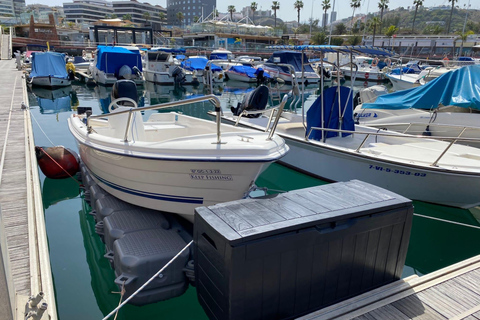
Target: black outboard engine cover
[(125, 89), (253, 101)]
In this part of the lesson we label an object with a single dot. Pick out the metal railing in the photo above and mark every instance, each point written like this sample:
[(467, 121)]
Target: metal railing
[(397, 135), (210, 98)]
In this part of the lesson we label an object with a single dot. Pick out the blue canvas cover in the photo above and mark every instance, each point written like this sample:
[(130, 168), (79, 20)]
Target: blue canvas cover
[(294, 58), (219, 56), (249, 71), (330, 118), (48, 63), (198, 63), (459, 88), (111, 59)]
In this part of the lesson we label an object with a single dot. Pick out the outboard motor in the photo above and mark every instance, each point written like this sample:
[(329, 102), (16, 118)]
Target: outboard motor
[(253, 101), (125, 89), (125, 72), (137, 71), (178, 75)]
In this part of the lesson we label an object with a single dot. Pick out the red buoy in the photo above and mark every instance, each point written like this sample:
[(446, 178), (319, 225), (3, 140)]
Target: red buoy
[(57, 162)]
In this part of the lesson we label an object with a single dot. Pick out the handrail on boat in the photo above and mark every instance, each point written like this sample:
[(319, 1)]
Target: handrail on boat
[(278, 109), (210, 98), (398, 135)]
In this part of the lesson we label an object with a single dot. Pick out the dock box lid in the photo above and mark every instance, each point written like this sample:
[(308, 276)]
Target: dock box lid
[(248, 219)]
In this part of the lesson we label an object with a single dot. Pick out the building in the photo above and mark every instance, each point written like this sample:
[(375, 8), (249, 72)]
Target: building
[(6, 8), (137, 10), (87, 11), (333, 17), (190, 9)]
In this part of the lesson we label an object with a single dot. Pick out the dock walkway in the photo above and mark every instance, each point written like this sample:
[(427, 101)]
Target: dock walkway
[(24, 248), (450, 293)]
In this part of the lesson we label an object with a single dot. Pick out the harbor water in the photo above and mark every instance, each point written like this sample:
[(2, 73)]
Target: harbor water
[(83, 279)]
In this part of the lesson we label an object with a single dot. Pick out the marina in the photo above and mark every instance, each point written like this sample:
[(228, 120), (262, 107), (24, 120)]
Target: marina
[(86, 278)]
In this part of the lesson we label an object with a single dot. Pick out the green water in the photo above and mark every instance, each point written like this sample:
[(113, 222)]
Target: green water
[(83, 279)]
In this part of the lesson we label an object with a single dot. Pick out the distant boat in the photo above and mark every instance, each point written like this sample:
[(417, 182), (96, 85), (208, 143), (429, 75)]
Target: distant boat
[(115, 63), (244, 73), (276, 67), (49, 70), (161, 67), (367, 68), (198, 65)]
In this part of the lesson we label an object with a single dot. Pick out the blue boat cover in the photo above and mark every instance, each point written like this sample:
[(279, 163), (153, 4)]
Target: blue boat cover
[(459, 88), (48, 63), (330, 117), (198, 63), (294, 58), (219, 56), (111, 59), (249, 71)]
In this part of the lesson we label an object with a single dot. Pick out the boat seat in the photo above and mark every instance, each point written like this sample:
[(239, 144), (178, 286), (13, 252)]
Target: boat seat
[(118, 124)]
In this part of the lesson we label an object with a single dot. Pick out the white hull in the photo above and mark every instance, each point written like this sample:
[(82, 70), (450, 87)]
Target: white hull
[(239, 77), (364, 73), (165, 78), (50, 82), (183, 170), (308, 77), (401, 164), (404, 81)]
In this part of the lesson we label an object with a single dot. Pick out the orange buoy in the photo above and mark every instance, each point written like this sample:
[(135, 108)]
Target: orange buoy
[(57, 162)]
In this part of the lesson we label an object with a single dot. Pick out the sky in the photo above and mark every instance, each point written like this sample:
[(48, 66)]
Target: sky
[(288, 13)]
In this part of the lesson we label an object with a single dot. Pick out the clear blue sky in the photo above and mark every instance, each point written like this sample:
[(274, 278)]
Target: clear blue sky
[(287, 12)]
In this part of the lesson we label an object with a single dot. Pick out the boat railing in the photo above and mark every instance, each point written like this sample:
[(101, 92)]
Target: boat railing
[(210, 98), (368, 134), (410, 125), (277, 110)]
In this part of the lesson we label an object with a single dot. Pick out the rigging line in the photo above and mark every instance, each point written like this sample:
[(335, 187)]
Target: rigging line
[(148, 281), (447, 221), (38, 124)]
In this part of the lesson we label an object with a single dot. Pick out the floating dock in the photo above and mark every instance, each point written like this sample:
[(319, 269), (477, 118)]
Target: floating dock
[(25, 270)]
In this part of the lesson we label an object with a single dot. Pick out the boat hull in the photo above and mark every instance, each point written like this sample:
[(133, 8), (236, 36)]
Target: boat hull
[(165, 78), (403, 82), (239, 77), (171, 186), (409, 181), (371, 74), (51, 82)]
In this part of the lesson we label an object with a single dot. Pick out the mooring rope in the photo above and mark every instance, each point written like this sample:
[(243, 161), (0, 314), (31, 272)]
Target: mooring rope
[(146, 283), (447, 221), (38, 124)]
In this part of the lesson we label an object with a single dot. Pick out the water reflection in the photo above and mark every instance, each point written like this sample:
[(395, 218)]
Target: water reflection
[(53, 101)]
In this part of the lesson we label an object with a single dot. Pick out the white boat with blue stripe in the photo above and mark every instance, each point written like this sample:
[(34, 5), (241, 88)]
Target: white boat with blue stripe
[(172, 162)]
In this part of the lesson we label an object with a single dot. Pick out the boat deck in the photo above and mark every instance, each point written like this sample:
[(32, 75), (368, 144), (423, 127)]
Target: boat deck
[(449, 293), (23, 239)]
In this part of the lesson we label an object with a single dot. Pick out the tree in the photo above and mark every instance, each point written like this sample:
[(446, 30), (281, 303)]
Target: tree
[(336, 41), (253, 7), (231, 10), (146, 16), (355, 40), (451, 12), (319, 38), (180, 18), (374, 23), (127, 16), (391, 31), (275, 7), (382, 5), (196, 19), (354, 4), (114, 16), (463, 36), (340, 28), (162, 16), (325, 6), (417, 3), (298, 5)]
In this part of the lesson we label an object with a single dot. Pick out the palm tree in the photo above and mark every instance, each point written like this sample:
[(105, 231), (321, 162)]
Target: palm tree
[(298, 5), (463, 36), (146, 16), (180, 18), (451, 12), (374, 23), (275, 7), (417, 3), (382, 5), (319, 38), (253, 7), (127, 16), (231, 9), (162, 16), (325, 6), (354, 4)]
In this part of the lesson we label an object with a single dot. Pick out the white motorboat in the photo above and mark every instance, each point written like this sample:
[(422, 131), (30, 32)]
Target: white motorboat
[(246, 74), (287, 65), (445, 107), (172, 162), (204, 69), (330, 146), (161, 68), (366, 69), (115, 63), (49, 70)]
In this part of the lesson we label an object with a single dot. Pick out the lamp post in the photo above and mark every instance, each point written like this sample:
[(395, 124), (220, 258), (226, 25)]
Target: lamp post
[(466, 15), (311, 19)]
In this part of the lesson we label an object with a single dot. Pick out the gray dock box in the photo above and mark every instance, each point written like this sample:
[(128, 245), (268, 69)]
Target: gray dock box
[(285, 256)]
